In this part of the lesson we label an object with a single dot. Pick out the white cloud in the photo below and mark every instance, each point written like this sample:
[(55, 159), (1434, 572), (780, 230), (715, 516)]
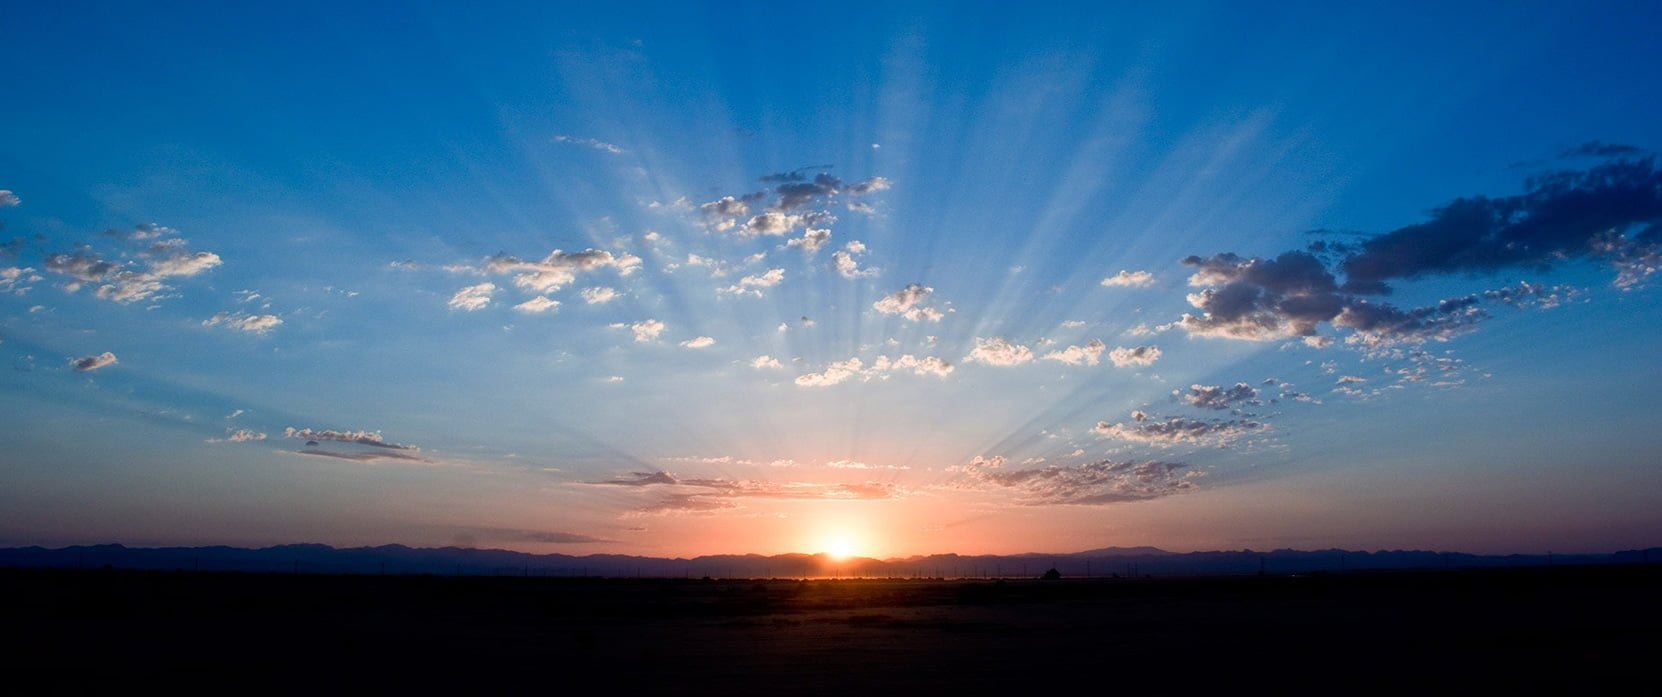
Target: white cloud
[(811, 240), (474, 297), (559, 268), (87, 364), (7, 198), (1139, 355), (765, 362), (538, 305), (241, 435), (698, 342), (598, 295), (1073, 324), (257, 324), (996, 351), (1129, 279), (590, 143), (906, 302), (833, 374), (647, 330), (14, 278), (1089, 354), (847, 265), (753, 283)]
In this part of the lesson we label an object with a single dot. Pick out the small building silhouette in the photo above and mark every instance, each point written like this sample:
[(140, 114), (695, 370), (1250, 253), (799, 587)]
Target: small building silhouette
[(1052, 575)]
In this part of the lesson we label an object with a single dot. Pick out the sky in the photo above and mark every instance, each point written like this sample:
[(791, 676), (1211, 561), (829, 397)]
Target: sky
[(679, 279)]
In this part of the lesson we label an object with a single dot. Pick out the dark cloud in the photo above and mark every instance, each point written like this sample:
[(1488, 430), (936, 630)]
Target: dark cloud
[(87, 364), (1611, 213), (707, 494), (1562, 215), (1594, 148), (370, 438), (1092, 483), (360, 455), (1177, 429), (557, 537), (1219, 397)]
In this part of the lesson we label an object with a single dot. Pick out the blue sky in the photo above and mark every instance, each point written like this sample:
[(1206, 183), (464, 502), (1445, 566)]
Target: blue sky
[(678, 279)]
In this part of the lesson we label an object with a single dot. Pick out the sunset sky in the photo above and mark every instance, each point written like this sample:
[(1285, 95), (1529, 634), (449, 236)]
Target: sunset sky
[(677, 279)]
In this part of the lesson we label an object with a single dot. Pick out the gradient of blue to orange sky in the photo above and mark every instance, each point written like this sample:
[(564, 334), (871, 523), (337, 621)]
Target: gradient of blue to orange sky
[(675, 279)]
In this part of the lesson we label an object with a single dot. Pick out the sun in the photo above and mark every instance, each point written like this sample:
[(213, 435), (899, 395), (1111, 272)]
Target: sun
[(839, 548)]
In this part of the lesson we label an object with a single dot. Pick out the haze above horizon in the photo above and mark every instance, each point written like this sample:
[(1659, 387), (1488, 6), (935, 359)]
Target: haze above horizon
[(675, 279)]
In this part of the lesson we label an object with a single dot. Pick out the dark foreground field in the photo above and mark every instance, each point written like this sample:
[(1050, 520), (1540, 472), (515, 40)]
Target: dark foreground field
[(1553, 630)]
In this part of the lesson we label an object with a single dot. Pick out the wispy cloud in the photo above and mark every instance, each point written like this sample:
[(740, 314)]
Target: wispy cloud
[(600, 145), (87, 364), (1129, 279)]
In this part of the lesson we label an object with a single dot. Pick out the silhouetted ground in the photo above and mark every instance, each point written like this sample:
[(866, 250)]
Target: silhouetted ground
[(1539, 630)]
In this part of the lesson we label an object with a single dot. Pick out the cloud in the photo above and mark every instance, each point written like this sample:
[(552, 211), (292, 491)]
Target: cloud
[(1176, 429), (753, 283), (881, 368), (560, 268), (834, 374), (560, 538), (129, 282), (87, 364), (370, 438), (13, 279), (907, 302), (869, 186), (1089, 354), (538, 305), (1217, 397), (242, 321), (646, 330), (474, 297), (1093, 483), (360, 455), (240, 435), (811, 240), (765, 362), (1610, 213), (707, 494), (698, 342), (602, 146), (996, 351), (598, 295), (7, 198), (1129, 279), (846, 261)]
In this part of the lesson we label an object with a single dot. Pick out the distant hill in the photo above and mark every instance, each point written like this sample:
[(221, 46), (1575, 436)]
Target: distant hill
[(1106, 562)]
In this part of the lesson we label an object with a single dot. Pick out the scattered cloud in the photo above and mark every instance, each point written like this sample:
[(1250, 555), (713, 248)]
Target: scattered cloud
[(538, 305), (474, 297), (847, 263), (907, 303), (765, 362), (998, 352), (1089, 354), (1176, 429), (1129, 279), (242, 321), (754, 283), (645, 330), (559, 268), (7, 198), (696, 495), (1088, 484), (811, 240), (1218, 398), (142, 278), (240, 435), (881, 368), (370, 438), (602, 146), (698, 342), (87, 364), (598, 295)]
